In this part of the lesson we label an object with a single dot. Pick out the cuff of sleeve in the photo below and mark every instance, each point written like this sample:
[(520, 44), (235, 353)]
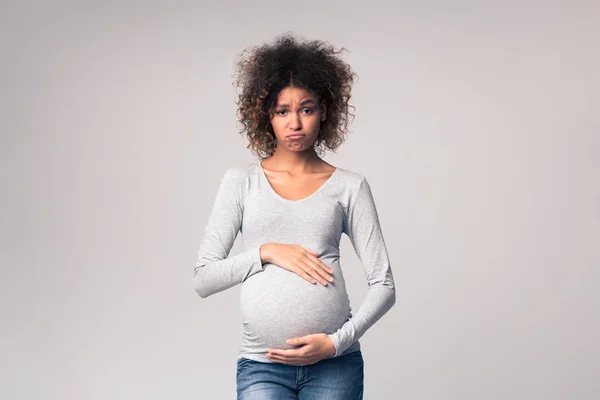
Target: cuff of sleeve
[(256, 264), (336, 342)]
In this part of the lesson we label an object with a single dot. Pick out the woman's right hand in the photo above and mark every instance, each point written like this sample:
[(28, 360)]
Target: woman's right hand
[(297, 259)]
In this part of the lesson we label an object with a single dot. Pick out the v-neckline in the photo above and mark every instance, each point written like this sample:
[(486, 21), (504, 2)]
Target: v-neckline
[(277, 195)]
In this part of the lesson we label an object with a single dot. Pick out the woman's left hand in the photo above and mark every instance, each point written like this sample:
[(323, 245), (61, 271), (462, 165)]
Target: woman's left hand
[(313, 348)]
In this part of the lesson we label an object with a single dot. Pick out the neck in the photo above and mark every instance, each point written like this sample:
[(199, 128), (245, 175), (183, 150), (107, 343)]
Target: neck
[(295, 162)]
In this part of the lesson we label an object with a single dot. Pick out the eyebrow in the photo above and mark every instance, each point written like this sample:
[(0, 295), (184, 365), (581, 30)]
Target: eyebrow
[(307, 101)]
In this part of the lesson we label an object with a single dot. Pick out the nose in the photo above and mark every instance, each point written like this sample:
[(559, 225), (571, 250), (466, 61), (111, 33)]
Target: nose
[(295, 123)]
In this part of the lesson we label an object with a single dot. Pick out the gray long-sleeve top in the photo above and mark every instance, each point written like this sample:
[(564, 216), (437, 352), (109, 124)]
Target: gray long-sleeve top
[(277, 304)]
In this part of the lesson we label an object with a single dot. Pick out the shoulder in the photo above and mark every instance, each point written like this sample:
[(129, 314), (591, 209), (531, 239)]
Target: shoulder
[(239, 177), (354, 181), (239, 173)]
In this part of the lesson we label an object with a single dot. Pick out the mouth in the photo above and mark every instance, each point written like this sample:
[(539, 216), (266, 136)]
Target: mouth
[(295, 136)]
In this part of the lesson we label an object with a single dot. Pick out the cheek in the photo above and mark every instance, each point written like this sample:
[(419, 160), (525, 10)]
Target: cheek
[(276, 125), (313, 121)]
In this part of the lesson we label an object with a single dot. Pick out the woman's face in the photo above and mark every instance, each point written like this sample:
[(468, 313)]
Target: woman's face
[(296, 119)]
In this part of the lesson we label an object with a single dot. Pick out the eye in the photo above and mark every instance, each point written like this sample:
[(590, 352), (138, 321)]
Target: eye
[(308, 110), (281, 112)]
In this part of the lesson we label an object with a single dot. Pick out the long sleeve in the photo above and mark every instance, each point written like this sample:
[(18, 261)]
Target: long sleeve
[(214, 272), (363, 229)]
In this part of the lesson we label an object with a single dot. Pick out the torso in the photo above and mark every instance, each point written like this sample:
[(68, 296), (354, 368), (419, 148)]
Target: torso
[(276, 304)]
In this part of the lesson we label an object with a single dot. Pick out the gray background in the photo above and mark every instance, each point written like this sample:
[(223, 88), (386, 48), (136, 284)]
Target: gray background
[(476, 125)]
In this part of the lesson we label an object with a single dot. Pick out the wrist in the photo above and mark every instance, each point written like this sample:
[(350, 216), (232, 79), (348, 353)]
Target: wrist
[(265, 252)]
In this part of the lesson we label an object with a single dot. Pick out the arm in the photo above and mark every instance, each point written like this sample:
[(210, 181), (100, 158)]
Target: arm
[(214, 272), (363, 228)]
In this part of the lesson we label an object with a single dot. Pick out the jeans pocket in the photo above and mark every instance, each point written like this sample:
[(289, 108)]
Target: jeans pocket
[(242, 362), (355, 356)]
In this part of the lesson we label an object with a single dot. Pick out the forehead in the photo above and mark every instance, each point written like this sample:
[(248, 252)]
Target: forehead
[(291, 95)]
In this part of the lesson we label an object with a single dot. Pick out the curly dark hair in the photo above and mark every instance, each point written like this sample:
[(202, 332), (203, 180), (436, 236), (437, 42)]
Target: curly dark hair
[(263, 71)]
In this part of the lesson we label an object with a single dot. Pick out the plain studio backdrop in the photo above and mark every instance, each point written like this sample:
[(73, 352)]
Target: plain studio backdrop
[(476, 124)]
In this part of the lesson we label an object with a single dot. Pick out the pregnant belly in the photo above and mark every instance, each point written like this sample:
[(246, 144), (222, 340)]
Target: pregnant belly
[(278, 305)]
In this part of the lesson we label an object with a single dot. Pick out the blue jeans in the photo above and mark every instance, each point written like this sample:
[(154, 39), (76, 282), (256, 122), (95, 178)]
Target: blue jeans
[(337, 378)]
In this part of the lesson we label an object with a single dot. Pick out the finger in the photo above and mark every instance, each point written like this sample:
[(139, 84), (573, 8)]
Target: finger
[(307, 269), (311, 251), (297, 341), (285, 353), (306, 266), (320, 270), (284, 360), (301, 272), (301, 341), (322, 274), (282, 356), (325, 266), (277, 360), (320, 264), (314, 257)]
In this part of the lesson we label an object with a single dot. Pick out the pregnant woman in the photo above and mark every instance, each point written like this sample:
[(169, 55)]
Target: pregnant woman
[(300, 338)]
